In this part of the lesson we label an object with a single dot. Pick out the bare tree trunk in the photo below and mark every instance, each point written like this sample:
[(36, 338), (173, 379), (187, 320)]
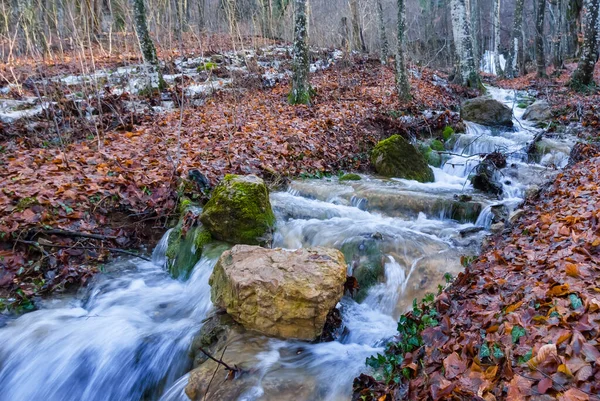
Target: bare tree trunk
[(357, 40), (515, 50), (497, 65), (573, 16), (556, 33), (201, 17), (383, 42), (540, 58), (154, 77), (466, 71), (474, 17), (301, 90), (402, 84), (584, 74), (345, 34)]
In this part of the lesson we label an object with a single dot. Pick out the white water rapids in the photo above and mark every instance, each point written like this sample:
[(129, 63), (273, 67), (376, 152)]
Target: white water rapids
[(127, 335)]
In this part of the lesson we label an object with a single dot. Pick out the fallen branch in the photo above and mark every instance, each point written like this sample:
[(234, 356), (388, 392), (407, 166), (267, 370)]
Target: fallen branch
[(220, 361), (116, 250), (68, 233)]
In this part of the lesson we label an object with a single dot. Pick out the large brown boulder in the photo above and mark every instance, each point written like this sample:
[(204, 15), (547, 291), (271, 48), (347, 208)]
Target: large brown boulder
[(486, 110), (277, 292)]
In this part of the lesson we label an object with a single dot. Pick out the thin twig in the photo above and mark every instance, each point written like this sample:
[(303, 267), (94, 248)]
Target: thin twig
[(116, 250), (68, 233)]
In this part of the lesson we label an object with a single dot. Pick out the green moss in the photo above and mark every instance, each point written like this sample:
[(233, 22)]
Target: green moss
[(25, 203), (184, 204), (239, 211), (350, 177), (522, 105), (183, 252), (395, 157), (447, 133), (206, 66), (436, 144)]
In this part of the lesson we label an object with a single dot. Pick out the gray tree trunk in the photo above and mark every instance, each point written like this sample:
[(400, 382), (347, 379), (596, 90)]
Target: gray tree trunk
[(498, 66), (515, 50), (402, 84), (152, 74), (466, 71), (573, 16), (584, 74), (357, 40), (301, 89), (141, 28), (540, 57), (383, 42), (474, 16), (556, 33)]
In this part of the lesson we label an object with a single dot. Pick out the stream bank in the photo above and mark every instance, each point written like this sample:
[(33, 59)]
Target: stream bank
[(133, 325)]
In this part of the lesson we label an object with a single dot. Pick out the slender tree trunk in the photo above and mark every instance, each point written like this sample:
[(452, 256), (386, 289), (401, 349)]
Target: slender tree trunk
[(154, 78), (515, 50), (556, 30), (497, 65), (466, 71), (357, 40), (301, 89), (573, 16), (540, 58), (474, 17), (584, 74), (383, 42), (345, 34), (201, 18), (402, 84)]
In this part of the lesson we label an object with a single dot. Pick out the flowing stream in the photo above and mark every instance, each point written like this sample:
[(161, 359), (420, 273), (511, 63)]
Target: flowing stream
[(127, 335)]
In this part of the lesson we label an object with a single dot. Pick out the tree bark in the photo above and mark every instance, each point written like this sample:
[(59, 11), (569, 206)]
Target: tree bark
[(466, 71), (556, 33), (402, 84), (515, 50), (584, 74), (497, 65), (153, 76), (301, 90), (383, 42), (357, 40), (574, 8), (474, 16), (540, 58)]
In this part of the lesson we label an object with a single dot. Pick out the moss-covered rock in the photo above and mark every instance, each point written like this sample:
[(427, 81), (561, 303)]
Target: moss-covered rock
[(367, 259), (186, 243), (438, 145), (447, 133), (239, 211), (486, 110), (432, 157), (396, 157), (350, 177)]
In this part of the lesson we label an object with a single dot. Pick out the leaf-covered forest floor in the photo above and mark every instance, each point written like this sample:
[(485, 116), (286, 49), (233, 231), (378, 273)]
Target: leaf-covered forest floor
[(523, 320), (67, 205)]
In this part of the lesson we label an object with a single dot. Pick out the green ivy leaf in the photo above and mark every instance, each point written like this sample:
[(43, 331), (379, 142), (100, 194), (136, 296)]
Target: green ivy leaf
[(517, 332), (498, 354), (484, 351), (576, 302)]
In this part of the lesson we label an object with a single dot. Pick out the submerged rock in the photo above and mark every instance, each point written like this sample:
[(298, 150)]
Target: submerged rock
[(239, 211), (538, 111), (396, 157), (186, 242), (486, 111), (484, 179), (277, 292)]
